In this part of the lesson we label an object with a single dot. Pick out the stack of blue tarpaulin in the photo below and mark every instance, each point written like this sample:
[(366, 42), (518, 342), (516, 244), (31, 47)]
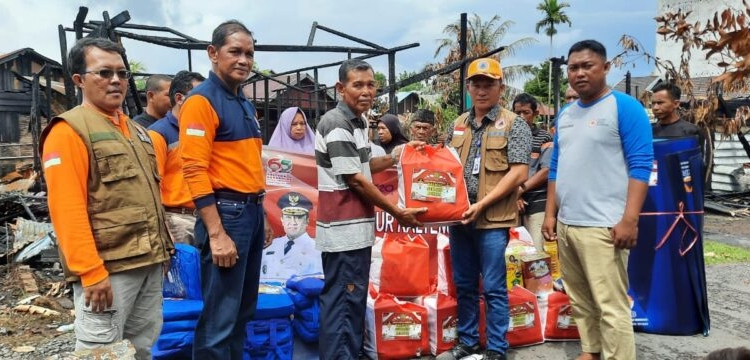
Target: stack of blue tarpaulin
[(183, 304), (305, 292), (269, 334)]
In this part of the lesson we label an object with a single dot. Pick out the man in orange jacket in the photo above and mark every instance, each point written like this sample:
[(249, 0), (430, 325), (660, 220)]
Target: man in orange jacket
[(103, 196), (165, 133)]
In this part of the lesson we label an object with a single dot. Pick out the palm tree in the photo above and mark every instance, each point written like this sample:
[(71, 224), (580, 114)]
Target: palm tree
[(483, 36), (553, 15), (138, 67)]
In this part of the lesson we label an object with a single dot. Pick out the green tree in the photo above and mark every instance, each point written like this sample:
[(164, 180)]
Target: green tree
[(380, 80), (417, 86), (538, 85), (138, 67), (553, 15), (482, 36)]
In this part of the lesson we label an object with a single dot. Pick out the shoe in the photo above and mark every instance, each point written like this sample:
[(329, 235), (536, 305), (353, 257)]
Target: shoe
[(459, 351), (493, 355)]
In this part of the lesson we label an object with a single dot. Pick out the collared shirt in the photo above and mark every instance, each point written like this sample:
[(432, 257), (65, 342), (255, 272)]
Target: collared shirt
[(541, 153), (144, 119), (220, 142), (301, 259), (517, 150), (345, 221), (165, 135)]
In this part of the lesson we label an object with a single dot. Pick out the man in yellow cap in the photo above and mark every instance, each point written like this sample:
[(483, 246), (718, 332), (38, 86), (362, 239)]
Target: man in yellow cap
[(494, 146), (293, 253)]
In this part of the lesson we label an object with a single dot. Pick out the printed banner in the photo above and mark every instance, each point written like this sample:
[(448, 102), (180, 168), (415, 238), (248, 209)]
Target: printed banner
[(295, 172)]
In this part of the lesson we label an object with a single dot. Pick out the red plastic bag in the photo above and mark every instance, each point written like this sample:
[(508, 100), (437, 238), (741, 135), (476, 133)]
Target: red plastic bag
[(395, 329), (560, 324), (406, 264), (442, 315), (525, 327), (433, 178), (445, 283)]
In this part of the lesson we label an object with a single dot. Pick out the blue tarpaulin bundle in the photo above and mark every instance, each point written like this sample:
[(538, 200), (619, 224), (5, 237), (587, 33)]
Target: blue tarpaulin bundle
[(269, 334), (666, 268), (306, 290), (183, 304)]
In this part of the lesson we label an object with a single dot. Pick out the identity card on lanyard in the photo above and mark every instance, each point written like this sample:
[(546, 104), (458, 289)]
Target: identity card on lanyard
[(477, 156)]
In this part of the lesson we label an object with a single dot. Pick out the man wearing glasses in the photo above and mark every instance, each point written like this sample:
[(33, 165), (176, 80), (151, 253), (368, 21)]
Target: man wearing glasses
[(103, 195)]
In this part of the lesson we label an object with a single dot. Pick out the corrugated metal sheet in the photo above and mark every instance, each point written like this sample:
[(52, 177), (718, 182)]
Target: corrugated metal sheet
[(731, 165)]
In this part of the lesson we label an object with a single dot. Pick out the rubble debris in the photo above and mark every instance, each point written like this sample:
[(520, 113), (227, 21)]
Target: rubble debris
[(23, 170), (27, 300), (35, 248), (25, 232), (27, 280), (24, 349), (57, 289), (65, 303), (122, 350), (17, 204), (732, 204), (49, 303), (33, 309), (28, 283), (65, 328), (18, 185)]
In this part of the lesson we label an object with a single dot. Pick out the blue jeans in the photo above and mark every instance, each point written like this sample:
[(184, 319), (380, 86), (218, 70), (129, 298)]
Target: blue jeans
[(230, 295), (476, 252)]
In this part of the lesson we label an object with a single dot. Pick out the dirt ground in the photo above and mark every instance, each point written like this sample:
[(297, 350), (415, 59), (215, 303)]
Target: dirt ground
[(728, 288)]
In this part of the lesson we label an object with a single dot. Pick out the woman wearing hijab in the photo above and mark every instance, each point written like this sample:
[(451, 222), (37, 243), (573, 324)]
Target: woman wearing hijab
[(389, 132), (293, 133)]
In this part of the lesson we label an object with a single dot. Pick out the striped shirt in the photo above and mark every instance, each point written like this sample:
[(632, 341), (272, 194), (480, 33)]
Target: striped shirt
[(541, 153), (345, 221)]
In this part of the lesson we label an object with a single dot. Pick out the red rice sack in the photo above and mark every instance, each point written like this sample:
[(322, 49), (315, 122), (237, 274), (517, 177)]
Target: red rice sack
[(445, 283), (433, 178), (560, 325), (525, 326), (442, 319), (405, 267), (395, 329)]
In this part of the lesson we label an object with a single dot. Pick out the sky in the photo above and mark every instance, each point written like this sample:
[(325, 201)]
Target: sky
[(389, 23)]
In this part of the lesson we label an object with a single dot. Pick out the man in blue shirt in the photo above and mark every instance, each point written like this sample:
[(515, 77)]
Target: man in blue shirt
[(598, 180)]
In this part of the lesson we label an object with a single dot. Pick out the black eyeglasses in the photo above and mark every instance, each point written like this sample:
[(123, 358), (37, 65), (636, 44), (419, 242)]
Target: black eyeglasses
[(109, 73)]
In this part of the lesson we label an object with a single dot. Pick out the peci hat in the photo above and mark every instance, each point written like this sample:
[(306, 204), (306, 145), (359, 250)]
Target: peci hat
[(485, 67), (294, 203)]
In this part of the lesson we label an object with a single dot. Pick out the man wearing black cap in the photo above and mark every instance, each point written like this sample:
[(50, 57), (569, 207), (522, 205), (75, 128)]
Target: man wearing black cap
[(294, 253)]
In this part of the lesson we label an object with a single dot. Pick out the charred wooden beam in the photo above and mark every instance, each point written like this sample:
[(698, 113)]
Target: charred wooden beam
[(441, 71), (337, 63), (70, 90), (346, 36)]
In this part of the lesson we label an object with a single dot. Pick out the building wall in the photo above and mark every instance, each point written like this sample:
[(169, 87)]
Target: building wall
[(702, 10)]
